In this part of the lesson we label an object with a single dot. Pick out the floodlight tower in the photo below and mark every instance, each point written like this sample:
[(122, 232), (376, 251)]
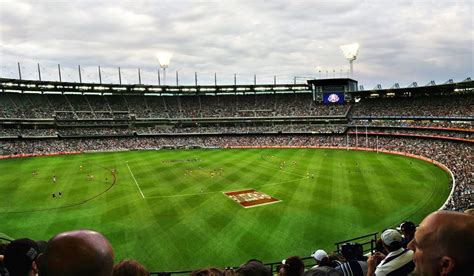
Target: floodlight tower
[(350, 51), (164, 60)]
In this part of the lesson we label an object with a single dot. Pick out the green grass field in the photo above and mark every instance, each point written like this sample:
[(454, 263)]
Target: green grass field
[(184, 221)]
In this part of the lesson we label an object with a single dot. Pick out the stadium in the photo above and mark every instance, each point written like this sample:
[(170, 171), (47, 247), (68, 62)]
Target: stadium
[(236, 138), (146, 165)]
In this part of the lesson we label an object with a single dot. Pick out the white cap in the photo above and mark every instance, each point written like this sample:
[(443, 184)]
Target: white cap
[(390, 236), (319, 255)]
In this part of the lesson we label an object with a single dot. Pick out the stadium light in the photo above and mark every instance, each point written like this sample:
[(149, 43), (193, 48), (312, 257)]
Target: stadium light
[(164, 60), (350, 51)]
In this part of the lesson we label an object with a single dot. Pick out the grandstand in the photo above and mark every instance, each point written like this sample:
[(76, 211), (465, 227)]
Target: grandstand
[(435, 122)]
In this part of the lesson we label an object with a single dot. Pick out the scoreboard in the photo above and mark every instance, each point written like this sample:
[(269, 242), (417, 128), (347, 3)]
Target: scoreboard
[(333, 98), (332, 91)]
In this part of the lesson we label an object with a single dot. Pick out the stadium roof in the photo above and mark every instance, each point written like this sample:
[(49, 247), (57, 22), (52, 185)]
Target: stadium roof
[(15, 85)]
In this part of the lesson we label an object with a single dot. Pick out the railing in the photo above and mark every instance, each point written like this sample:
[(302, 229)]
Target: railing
[(369, 239), (5, 239)]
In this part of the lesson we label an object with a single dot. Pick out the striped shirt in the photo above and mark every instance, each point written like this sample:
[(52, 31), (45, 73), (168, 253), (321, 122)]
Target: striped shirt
[(353, 268), (397, 263)]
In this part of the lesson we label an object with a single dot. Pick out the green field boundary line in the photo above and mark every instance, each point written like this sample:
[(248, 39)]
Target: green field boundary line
[(71, 205), (135, 180)]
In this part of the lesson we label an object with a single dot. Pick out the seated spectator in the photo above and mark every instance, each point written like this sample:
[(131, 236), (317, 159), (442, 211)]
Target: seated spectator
[(292, 266), (321, 258), (211, 271), (253, 268), (324, 265), (77, 253), (398, 261), (21, 257), (408, 229), (444, 244), (355, 263), (379, 247), (130, 268)]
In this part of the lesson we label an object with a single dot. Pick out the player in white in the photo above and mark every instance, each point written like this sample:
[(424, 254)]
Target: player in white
[(54, 179)]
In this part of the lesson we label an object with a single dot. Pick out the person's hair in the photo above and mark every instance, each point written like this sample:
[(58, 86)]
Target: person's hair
[(379, 246), (210, 271), (293, 266), (336, 258), (254, 260), (253, 268), (19, 256), (130, 268), (352, 251), (393, 246)]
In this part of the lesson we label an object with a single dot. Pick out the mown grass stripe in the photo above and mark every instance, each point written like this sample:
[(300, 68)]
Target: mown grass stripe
[(187, 232)]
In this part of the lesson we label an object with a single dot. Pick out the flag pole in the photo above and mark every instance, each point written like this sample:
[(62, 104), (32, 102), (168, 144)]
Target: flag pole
[(377, 144), (347, 141), (357, 138), (366, 138)]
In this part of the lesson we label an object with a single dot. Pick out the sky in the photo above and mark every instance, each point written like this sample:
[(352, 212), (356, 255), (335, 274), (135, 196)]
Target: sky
[(400, 41)]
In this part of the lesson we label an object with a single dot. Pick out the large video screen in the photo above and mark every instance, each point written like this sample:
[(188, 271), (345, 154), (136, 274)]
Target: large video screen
[(333, 98)]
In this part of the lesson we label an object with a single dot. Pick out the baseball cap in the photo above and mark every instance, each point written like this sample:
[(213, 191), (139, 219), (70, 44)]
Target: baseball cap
[(407, 226), (319, 255), (19, 255), (390, 236)]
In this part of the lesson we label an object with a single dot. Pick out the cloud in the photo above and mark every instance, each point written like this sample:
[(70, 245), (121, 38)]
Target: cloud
[(401, 41)]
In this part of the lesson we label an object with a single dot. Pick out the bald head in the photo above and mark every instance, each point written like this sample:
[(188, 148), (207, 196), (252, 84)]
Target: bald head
[(444, 243), (82, 252), (453, 231)]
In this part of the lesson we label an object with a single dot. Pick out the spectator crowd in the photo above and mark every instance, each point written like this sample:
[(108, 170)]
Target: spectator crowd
[(412, 123), (440, 106), (73, 107)]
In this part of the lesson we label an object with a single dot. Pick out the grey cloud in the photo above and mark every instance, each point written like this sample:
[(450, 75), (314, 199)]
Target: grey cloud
[(402, 41)]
